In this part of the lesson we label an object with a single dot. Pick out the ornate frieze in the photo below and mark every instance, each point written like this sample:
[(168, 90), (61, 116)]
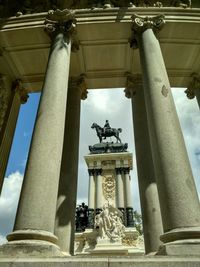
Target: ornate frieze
[(109, 186), (62, 21), (193, 86), (4, 99)]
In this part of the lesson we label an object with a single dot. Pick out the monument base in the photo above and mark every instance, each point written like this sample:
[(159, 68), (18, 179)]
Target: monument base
[(190, 247), (105, 247), (88, 261), (30, 248)]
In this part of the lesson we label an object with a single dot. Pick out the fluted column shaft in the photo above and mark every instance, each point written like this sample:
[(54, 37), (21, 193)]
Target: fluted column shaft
[(127, 183), (150, 207), (99, 190), (119, 189), (67, 192), (91, 191), (177, 193), (37, 206)]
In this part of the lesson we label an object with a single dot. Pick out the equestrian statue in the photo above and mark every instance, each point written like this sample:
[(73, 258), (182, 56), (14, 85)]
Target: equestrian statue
[(106, 131)]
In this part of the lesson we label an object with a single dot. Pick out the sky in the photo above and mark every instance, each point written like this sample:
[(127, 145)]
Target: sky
[(100, 105)]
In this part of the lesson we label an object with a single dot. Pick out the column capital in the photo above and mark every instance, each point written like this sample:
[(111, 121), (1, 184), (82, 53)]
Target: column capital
[(18, 88), (118, 170), (126, 170), (98, 171), (193, 86), (91, 172), (62, 21), (79, 83), (132, 82), (141, 24)]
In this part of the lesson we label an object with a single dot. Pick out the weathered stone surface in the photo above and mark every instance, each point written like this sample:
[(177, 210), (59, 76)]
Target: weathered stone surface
[(12, 7), (80, 261)]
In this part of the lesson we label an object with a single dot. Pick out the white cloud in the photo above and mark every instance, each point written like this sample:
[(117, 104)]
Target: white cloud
[(8, 203)]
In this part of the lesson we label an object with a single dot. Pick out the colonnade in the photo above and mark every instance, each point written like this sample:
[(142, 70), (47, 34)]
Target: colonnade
[(45, 217)]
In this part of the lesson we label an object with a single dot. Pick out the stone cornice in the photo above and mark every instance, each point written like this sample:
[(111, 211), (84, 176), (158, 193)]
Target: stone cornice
[(79, 83), (106, 15), (133, 81), (28, 7), (193, 86)]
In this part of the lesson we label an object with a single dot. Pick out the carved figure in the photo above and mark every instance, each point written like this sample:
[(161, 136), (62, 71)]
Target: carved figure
[(109, 224), (101, 132)]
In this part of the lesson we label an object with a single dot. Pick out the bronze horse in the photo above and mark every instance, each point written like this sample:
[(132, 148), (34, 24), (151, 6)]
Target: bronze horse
[(109, 132)]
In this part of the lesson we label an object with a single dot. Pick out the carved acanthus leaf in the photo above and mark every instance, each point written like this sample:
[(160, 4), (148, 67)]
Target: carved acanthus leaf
[(193, 86), (79, 83), (132, 81), (20, 90)]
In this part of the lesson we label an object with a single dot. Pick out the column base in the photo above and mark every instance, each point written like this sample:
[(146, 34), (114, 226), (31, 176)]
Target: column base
[(181, 241), (30, 243), (190, 247), (30, 248)]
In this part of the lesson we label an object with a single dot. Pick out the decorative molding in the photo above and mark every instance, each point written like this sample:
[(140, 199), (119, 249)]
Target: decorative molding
[(109, 187), (62, 21), (193, 86), (80, 84), (126, 170), (98, 172), (132, 81), (91, 172), (19, 8), (141, 24), (18, 88), (4, 99)]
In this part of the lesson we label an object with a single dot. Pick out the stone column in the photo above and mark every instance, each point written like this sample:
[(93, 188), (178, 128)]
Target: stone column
[(194, 88), (177, 193), (150, 207), (9, 114), (128, 198), (67, 192), (35, 217), (91, 199), (119, 189), (120, 192), (99, 191)]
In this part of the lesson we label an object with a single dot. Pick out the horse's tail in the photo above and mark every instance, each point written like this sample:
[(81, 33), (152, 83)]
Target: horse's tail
[(119, 130)]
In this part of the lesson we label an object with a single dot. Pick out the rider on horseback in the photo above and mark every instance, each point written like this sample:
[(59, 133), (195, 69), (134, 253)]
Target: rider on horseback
[(106, 127)]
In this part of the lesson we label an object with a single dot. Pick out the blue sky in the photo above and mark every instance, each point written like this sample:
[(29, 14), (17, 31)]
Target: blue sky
[(100, 105), (23, 135)]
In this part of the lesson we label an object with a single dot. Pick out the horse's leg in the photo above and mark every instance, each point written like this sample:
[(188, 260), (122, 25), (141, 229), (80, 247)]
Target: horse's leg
[(117, 137)]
